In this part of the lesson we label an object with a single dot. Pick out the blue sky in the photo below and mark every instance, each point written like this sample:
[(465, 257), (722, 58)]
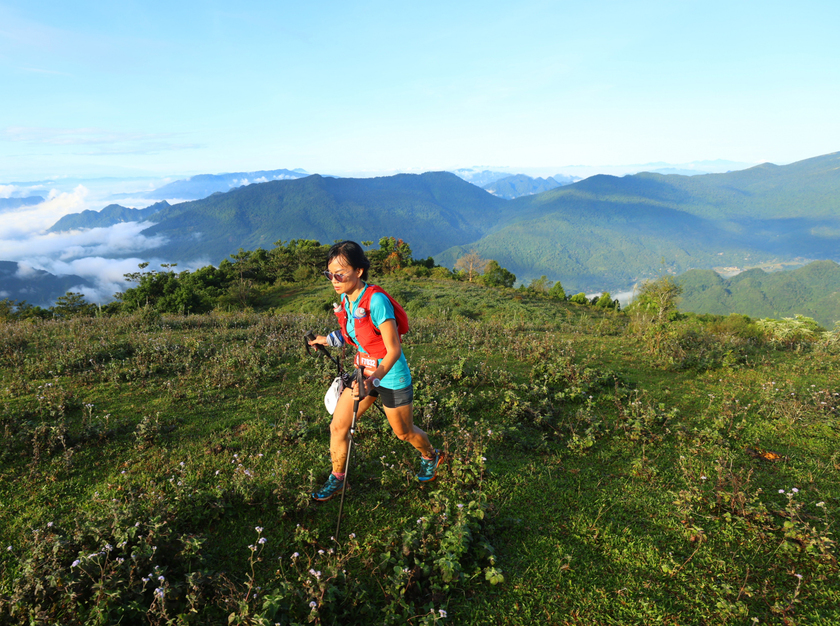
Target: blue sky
[(148, 88)]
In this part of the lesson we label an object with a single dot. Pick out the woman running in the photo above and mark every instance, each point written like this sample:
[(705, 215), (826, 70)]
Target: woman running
[(368, 318)]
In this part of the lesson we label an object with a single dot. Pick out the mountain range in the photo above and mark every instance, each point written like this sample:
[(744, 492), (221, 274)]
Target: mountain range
[(812, 290), (37, 287), (601, 233), (14, 203)]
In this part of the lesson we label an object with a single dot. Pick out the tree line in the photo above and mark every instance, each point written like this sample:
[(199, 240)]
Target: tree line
[(240, 279)]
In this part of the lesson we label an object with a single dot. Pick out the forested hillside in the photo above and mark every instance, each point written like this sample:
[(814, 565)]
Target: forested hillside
[(602, 233), (813, 291)]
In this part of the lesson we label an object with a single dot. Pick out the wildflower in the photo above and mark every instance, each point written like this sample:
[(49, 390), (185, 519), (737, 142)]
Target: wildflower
[(75, 563), (460, 506), (795, 490), (262, 540), (320, 552), (49, 524), (258, 529), (161, 578), (145, 579), (313, 604), (108, 547), (353, 535), (181, 464), (252, 547), (442, 613), (159, 592), (821, 505), (295, 555), (799, 576), (781, 490), (704, 478)]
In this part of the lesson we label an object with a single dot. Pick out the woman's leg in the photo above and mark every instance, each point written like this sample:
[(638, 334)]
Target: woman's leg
[(401, 420), (340, 428)]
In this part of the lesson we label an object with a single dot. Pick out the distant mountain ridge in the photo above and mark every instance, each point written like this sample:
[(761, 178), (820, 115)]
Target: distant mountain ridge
[(812, 290), (15, 203), (603, 232), (520, 185), (203, 185), (36, 287), (110, 215)]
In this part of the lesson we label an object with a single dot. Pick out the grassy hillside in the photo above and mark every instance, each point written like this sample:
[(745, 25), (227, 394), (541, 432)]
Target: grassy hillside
[(602, 469), (812, 290)]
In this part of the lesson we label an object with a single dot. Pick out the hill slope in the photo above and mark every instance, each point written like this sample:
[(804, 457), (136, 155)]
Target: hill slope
[(600, 233), (813, 291)]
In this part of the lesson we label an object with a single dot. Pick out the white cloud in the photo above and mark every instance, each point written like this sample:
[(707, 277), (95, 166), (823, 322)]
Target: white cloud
[(28, 220), (108, 275), (24, 270), (118, 239), (6, 191)]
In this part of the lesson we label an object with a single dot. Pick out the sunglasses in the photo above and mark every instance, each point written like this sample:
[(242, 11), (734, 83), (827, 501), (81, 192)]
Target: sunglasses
[(339, 278)]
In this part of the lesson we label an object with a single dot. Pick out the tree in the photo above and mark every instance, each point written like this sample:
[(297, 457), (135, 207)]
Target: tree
[(540, 285), (658, 297), (72, 304), (556, 292), (472, 264), (393, 254), (497, 276)]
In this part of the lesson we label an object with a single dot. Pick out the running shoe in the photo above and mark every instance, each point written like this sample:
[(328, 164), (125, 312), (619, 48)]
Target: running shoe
[(331, 488), (429, 467)]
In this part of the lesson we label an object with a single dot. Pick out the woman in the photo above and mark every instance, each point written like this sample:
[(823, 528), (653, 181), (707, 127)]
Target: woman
[(369, 320)]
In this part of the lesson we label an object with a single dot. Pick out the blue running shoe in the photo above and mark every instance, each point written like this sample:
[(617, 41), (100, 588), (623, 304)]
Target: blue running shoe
[(428, 468), (330, 489)]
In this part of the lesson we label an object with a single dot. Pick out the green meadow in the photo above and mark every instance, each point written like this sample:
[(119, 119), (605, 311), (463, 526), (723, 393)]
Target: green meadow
[(603, 467)]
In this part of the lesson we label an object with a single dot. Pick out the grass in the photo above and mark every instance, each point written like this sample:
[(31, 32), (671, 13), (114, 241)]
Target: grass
[(599, 471)]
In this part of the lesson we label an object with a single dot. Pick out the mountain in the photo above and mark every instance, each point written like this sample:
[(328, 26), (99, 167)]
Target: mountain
[(603, 232), (110, 215), (606, 232), (14, 203), (36, 287), (519, 185), (479, 177), (431, 211), (203, 185), (812, 290)]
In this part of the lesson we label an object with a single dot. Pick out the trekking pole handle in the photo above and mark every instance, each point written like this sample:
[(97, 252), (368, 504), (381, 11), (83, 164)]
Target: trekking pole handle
[(310, 336)]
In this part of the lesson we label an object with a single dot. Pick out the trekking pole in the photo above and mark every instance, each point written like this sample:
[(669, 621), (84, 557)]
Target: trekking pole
[(360, 385), (310, 336)]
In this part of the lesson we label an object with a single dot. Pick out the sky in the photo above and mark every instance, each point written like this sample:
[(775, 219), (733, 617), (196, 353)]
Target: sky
[(103, 98), (170, 89)]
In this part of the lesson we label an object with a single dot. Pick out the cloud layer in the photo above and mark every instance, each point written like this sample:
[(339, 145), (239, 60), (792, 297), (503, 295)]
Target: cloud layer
[(85, 253)]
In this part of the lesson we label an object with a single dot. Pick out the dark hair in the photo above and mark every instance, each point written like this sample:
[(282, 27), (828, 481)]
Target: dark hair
[(352, 253)]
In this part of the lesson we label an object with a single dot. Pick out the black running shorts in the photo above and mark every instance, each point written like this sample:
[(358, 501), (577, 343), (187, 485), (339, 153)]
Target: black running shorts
[(393, 398)]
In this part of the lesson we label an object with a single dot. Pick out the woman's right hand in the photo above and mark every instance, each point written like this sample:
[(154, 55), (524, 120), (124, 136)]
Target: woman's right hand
[(320, 340)]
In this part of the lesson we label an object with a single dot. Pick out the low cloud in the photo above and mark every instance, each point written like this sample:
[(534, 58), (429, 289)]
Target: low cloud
[(118, 240), (108, 275), (25, 221)]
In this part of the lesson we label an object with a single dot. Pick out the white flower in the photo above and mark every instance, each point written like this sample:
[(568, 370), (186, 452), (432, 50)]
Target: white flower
[(442, 613), (258, 529), (795, 490)]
